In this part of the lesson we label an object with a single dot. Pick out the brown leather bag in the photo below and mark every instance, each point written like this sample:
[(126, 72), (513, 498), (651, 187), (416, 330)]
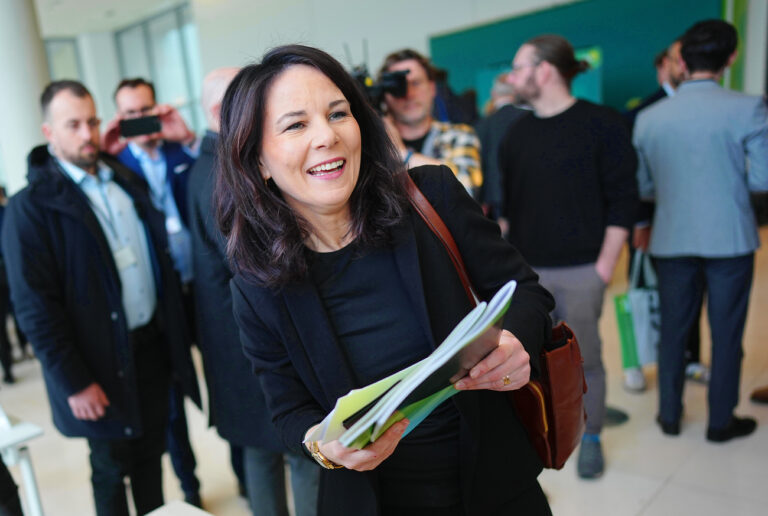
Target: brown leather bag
[(551, 407)]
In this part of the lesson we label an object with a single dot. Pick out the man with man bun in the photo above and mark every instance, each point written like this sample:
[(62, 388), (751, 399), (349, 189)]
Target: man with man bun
[(570, 196)]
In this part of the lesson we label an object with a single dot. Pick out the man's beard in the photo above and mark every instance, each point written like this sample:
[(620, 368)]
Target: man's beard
[(84, 161), (411, 120), (528, 93)]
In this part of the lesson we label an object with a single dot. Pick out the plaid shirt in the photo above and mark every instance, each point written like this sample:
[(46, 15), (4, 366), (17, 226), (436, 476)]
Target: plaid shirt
[(458, 147)]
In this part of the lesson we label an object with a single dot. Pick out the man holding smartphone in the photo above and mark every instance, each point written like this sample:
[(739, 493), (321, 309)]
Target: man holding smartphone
[(159, 150)]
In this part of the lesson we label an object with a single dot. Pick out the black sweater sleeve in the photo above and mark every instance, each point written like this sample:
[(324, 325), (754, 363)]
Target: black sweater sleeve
[(618, 166)]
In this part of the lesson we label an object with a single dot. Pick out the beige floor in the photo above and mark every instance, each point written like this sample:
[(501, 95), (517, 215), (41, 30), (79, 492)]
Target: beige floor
[(647, 474)]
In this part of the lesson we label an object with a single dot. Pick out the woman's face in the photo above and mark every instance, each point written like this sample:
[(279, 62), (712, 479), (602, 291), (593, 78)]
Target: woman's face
[(311, 142)]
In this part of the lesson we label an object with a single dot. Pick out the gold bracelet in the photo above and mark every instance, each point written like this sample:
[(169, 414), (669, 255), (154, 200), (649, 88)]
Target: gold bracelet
[(314, 449)]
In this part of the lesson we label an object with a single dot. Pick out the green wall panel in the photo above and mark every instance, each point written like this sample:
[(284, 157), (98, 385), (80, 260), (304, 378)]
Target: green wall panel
[(629, 34)]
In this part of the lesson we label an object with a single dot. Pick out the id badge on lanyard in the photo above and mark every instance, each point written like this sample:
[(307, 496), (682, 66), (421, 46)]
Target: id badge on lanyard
[(172, 225), (124, 258)]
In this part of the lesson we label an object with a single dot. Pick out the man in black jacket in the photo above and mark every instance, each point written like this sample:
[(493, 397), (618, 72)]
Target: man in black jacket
[(94, 288), (491, 131), (238, 407)]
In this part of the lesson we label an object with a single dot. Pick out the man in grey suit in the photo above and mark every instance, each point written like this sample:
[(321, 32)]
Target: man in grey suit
[(700, 153)]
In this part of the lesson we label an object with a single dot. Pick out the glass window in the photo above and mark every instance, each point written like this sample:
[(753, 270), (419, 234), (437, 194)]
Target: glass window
[(132, 53), (164, 50), (63, 60)]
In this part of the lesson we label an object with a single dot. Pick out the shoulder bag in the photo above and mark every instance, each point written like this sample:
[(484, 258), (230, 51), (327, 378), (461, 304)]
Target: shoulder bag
[(550, 407)]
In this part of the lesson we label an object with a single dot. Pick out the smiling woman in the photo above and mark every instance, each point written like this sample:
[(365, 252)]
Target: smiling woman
[(305, 112), (338, 284), (311, 150)]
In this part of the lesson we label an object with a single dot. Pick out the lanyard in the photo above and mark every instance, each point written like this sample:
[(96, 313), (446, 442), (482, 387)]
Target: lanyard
[(107, 217)]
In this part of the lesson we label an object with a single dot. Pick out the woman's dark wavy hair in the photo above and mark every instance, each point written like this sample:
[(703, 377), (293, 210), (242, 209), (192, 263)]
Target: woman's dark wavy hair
[(264, 236)]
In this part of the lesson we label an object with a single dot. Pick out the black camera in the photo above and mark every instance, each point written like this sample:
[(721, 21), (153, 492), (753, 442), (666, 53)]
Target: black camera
[(393, 83)]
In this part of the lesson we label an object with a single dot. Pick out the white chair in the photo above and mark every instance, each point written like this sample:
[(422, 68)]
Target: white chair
[(13, 437)]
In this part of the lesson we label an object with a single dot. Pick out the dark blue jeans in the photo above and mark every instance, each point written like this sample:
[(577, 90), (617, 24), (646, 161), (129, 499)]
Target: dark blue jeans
[(682, 284)]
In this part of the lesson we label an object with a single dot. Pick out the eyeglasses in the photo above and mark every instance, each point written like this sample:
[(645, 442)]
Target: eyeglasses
[(517, 67)]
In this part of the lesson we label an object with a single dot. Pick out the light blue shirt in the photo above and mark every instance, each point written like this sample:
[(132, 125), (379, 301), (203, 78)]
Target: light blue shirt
[(179, 239), (126, 236)]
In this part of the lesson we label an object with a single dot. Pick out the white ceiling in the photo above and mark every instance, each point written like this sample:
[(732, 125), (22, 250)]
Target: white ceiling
[(72, 17)]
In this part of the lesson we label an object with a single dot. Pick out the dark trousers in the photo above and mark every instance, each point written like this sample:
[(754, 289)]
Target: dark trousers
[(10, 505), (137, 459), (682, 284), (236, 459), (6, 359), (693, 345), (531, 502), (179, 447)]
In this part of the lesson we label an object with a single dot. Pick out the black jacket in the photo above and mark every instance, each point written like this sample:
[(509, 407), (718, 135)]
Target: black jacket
[(67, 295), (491, 131), (631, 115), (288, 337), (237, 403)]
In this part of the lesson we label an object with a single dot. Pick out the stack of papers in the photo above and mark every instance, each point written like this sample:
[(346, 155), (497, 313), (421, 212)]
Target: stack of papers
[(362, 415)]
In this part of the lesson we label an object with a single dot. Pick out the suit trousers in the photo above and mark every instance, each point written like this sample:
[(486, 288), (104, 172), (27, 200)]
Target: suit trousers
[(682, 284), (265, 482), (138, 459), (179, 447), (578, 291)]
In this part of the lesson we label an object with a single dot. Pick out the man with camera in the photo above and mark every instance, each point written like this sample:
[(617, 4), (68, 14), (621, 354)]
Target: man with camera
[(420, 139), (158, 150), (96, 294)]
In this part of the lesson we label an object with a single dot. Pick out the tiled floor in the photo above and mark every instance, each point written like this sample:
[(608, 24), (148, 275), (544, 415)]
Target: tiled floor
[(647, 474)]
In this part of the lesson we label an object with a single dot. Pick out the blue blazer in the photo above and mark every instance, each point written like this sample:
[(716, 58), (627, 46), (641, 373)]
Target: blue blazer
[(178, 164), (700, 153), (290, 341)]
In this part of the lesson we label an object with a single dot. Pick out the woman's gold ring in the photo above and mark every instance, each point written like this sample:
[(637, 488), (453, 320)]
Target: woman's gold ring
[(506, 380)]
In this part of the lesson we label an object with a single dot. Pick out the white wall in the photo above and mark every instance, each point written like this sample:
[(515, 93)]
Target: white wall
[(236, 32), (755, 47), (24, 64)]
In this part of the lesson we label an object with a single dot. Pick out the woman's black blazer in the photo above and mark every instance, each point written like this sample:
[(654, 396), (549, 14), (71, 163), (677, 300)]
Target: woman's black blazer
[(287, 336)]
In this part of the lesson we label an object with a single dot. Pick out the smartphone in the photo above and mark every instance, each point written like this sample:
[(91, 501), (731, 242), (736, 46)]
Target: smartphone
[(138, 126)]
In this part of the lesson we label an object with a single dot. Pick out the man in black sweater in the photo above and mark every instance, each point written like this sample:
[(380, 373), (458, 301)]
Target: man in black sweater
[(570, 197)]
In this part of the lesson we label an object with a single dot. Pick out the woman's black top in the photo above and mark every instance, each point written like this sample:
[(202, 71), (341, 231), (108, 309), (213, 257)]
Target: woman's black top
[(376, 327)]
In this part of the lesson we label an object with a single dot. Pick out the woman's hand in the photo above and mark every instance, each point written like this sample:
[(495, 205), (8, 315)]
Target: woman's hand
[(369, 457), (506, 368)]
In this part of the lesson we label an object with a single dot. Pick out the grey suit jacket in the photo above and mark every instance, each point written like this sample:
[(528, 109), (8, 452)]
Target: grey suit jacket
[(700, 152)]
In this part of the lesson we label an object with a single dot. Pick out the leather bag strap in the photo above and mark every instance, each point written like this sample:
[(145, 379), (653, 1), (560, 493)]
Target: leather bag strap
[(425, 210)]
